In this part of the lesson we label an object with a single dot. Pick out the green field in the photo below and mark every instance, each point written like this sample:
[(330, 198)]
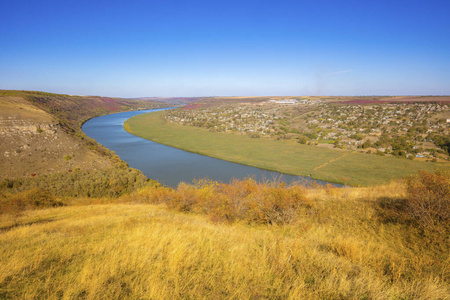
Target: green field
[(277, 155)]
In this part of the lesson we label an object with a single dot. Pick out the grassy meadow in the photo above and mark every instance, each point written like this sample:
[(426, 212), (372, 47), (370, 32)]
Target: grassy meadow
[(288, 157), (341, 245)]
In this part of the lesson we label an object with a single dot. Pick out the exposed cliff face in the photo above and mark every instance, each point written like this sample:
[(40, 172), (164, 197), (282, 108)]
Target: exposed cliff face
[(32, 143), (13, 126)]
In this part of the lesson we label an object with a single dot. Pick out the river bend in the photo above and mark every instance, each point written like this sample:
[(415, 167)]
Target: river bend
[(169, 165)]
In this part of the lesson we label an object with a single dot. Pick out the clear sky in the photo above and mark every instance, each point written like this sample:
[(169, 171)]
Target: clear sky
[(226, 48)]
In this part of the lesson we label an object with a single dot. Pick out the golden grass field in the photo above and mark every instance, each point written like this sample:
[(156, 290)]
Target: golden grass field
[(337, 247)]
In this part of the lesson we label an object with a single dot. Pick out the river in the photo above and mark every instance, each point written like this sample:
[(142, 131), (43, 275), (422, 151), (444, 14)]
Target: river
[(169, 165)]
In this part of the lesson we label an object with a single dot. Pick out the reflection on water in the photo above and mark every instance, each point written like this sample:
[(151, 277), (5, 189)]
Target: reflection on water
[(168, 165)]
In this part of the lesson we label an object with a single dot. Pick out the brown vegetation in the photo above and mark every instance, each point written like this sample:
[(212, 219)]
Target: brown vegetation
[(246, 200), (27, 200), (428, 203), (111, 182)]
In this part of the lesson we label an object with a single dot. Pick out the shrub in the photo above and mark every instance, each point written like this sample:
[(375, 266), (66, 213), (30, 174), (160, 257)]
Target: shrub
[(112, 182), (254, 135), (303, 140), (391, 210), (30, 199), (246, 200), (428, 199), (154, 194), (274, 204), (183, 199)]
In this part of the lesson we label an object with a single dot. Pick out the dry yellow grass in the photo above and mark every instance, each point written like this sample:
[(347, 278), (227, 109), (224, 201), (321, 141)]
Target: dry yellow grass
[(394, 189), (336, 250), (17, 108)]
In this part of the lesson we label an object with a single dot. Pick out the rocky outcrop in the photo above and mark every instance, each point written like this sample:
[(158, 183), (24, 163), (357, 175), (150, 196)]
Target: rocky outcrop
[(14, 126)]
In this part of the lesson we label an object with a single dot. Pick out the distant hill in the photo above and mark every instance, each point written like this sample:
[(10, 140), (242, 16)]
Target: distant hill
[(41, 132), (75, 110), (171, 100)]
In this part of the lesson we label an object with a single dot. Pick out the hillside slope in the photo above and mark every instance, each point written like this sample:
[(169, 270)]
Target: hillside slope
[(72, 111), (34, 142), (339, 249), (41, 132)]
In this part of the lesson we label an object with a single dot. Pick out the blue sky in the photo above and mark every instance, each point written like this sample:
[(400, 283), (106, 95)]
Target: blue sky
[(226, 48)]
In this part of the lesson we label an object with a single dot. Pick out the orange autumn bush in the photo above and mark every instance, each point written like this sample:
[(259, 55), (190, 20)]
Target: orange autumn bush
[(247, 200), (428, 198), (30, 199)]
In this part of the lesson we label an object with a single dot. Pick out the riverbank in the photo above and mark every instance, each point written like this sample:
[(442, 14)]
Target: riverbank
[(288, 157)]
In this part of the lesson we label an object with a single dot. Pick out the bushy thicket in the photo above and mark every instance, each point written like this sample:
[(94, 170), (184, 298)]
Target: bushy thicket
[(111, 182), (30, 199), (428, 200), (246, 200), (426, 205)]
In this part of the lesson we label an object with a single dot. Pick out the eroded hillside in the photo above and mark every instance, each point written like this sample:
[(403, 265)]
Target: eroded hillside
[(41, 132), (33, 143)]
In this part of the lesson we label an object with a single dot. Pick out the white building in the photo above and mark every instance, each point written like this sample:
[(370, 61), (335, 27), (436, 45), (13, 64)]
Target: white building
[(284, 101)]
